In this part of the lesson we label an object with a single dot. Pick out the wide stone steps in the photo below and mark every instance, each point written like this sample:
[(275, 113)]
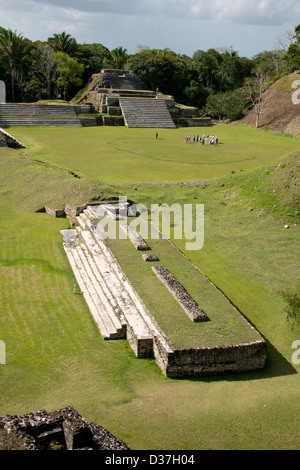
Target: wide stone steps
[(119, 276), (105, 304), (106, 275), (15, 109), (34, 121), (143, 112), (112, 300), (83, 283)]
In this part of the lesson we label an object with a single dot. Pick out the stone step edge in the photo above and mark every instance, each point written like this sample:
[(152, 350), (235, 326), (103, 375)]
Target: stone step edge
[(128, 308), (100, 315), (138, 334), (116, 313), (91, 306), (144, 312), (108, 315)]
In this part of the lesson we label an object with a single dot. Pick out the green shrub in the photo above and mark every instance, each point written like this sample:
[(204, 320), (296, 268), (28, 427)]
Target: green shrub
[(292, 298)]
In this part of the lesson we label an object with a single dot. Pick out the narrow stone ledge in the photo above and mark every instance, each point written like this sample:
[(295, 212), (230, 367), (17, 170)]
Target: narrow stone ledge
[(177, 290), (136, 239), (149, 257)]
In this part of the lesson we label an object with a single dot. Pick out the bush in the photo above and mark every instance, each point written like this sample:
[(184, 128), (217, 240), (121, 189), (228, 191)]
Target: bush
[(292, 298)]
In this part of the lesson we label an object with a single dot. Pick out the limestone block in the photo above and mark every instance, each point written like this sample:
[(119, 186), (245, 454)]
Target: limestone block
[(55, 212), (73, 211), (149, 257)]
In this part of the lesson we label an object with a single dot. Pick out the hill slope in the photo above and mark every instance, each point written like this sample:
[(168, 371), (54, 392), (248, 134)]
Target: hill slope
[(279, 113)]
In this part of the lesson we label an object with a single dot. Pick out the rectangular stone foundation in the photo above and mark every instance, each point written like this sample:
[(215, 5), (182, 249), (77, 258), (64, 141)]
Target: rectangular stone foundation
[(211, 361)]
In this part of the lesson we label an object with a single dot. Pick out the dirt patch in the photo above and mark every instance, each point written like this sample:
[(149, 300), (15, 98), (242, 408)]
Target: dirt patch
[(279, 112)]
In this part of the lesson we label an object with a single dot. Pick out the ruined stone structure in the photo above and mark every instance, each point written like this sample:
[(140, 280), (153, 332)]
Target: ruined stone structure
[(122, 99), (112, 98), (62, 430), (120, 313)]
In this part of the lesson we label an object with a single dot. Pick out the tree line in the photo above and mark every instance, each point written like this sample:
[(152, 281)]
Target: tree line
[(219, 82)]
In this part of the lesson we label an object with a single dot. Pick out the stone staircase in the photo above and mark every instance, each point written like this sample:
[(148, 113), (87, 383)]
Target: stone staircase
[(113, 302), (16, 109), (145, 112), (12, 114)]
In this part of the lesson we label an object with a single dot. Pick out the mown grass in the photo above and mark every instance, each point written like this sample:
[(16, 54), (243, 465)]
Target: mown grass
[(225, 325), (55, 356), (113, 155)]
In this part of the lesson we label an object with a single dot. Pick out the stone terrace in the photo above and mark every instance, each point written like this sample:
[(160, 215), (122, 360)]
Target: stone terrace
[(120, 313), (13, 114)]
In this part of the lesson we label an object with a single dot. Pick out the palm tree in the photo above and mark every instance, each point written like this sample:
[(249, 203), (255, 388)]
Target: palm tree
[(120, 56), (63, 42), (12, 46)]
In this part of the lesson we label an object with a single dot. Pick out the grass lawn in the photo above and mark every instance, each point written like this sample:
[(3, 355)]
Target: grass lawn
[(119, 154), (55, 356)]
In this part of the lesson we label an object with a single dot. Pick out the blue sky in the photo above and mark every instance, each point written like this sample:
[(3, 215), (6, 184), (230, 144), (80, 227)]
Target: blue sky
[(184, 26)]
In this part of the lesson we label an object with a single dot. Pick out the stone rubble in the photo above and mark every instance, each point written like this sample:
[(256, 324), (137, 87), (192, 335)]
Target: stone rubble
[(64, 429)]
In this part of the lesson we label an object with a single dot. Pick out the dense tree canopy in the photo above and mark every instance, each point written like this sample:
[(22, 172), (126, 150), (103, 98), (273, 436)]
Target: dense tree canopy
[(216, 81)]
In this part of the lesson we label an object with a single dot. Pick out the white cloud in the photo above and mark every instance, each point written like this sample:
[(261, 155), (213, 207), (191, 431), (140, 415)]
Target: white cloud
[(181, 25), (256, 12)]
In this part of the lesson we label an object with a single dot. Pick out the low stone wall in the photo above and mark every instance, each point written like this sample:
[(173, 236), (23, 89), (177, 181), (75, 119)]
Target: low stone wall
[(193, 122), (112, 120), (149, 257), (114, 111), (64, 430), (211, 361), (55, 212), (89, 122), (135, 237), (177, 290), (84, 108)]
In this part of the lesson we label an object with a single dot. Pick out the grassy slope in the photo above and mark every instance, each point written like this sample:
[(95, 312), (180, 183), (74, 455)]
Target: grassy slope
[(55, 356)]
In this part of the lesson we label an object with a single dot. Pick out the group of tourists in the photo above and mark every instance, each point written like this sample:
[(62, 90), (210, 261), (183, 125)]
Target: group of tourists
[(204, 140)]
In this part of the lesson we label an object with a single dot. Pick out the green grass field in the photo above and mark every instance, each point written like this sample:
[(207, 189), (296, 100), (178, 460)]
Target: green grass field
[(125, 155), (55, 356)]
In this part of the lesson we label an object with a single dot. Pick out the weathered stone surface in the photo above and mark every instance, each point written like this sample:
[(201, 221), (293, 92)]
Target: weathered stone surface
[(118, 79), (55, 212), (64, 428), (183, 298), (136, 239), (149, 257), (73, 211)]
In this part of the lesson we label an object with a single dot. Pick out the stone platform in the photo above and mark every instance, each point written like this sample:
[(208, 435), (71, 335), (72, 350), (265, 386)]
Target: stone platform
[(120, 313)]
